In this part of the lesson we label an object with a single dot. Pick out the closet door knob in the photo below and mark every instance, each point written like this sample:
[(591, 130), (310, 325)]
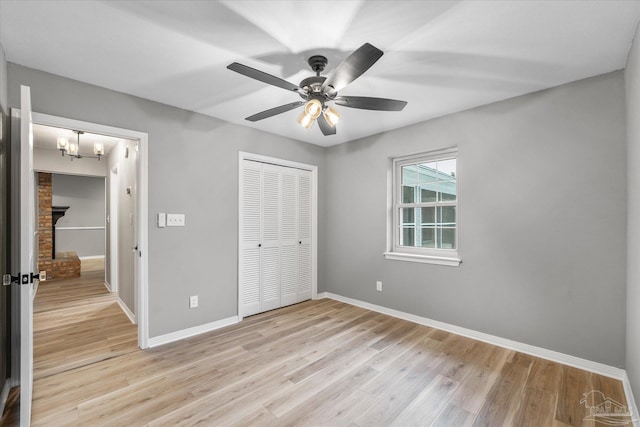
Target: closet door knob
[(259, 245)]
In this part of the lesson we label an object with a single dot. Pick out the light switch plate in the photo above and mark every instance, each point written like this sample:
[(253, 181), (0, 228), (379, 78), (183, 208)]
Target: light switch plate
[(162, 220), (175, 220)]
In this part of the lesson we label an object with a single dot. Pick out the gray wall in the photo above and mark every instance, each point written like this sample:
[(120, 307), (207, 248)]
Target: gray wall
[(542, 220), (193, 169), (632, 80), (85, 196)]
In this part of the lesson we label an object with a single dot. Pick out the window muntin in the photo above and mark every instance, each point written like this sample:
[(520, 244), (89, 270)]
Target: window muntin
[(425, 205)]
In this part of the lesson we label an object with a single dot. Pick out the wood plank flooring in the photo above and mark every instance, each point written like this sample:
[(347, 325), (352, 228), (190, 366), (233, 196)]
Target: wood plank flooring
[(318, 363)]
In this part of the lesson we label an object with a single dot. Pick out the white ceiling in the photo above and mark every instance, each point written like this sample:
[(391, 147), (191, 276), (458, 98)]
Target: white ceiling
[(441, 57)]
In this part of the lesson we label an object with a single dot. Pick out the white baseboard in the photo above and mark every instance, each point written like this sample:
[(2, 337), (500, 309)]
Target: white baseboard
[(4, 394), (189, 332), (126, 310), (631, 402), (565, 359), (91, 257), (108, 286)]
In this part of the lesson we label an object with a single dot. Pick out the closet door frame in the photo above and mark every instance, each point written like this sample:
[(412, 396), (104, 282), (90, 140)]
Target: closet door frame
[(313, 169)]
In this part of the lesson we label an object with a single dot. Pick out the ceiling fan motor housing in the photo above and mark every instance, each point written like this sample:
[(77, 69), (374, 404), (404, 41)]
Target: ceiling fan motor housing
[(317, 63)]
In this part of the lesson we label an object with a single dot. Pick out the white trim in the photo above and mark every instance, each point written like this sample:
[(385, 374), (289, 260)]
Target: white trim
[(276, 161), (126, 311), (554, 356), (189, 332), (242, 156), (108, 286), (112, 238), (97, 227), (4, 395), (394, 251), (322, 295), (91, 257), (631, 402), (142, 285), (427, 259)]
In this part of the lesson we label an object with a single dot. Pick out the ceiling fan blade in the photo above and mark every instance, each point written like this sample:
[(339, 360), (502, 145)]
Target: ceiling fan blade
[(274, 111), (351, 68), (263, 77), (325, 127), (368, 103)]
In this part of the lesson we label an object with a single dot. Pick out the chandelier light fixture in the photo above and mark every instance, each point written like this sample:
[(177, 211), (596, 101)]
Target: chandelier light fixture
[(72, 149)]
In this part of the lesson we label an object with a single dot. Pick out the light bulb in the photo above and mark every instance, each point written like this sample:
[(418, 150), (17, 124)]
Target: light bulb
[(98, 148), (62, 143), (313, 108), (73, 149), (332, 116)]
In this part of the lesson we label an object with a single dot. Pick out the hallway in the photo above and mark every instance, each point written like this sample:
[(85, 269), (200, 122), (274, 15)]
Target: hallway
[(78, 322)]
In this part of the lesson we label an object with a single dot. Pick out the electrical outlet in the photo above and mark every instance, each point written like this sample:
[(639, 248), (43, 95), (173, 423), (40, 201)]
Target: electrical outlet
[(193, 301), (379, 286), (43, 275)]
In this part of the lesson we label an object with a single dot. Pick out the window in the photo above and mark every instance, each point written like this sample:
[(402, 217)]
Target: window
[(424, 215)]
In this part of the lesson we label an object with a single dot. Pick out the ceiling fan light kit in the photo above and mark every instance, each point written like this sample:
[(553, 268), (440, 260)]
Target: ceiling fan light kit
[(317, 91)]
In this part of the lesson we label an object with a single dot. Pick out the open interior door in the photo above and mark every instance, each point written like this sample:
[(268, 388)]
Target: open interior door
[(26, 234)]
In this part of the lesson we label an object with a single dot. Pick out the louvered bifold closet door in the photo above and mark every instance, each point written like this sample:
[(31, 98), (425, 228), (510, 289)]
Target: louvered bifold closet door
[(271, 195), (289, 251), (304, 235), (250, 271)]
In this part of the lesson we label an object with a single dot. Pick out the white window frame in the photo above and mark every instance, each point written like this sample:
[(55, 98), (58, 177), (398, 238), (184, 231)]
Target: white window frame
[(394, 251)]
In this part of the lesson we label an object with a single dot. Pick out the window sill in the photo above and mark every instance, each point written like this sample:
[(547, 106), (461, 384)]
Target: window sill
[(426, 259)]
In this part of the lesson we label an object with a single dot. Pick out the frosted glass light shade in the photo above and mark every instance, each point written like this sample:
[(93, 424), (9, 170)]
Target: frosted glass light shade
[(62, 143), (305, 120), (98, 148), (331, 116), (313, 108)]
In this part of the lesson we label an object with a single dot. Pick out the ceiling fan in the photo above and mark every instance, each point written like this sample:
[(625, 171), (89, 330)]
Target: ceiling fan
[(317, 91)]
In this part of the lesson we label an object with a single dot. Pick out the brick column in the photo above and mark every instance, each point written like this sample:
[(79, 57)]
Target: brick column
[(45, 235)]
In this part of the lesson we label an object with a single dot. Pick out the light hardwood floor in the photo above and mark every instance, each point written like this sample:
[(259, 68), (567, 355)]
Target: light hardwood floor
[(318, 363)]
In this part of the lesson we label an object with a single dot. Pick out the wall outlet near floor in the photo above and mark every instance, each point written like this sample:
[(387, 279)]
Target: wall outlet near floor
[(379, 286), (193, 301)]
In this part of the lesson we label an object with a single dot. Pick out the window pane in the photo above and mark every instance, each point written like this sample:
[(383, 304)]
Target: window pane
[(428, 192), (408, 193), (446, 190), (407, 236), (427, 172), (427, 237), (447, 167), (408, 216), (446, 238), (409, 183), (447, 216), (427, 216)]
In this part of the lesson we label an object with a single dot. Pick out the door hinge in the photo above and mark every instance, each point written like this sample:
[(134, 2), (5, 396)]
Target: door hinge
[(23, 279), (8, 279)]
